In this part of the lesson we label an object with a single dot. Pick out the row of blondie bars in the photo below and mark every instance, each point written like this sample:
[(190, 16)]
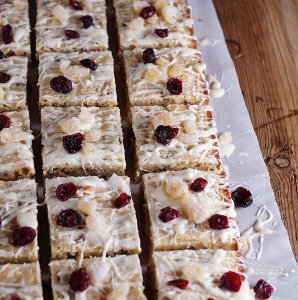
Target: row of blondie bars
[(94, 236)]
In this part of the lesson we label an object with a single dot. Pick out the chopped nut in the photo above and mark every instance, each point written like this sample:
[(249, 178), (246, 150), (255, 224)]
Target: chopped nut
[(153, 75), (189, 139), (161, 62), (7, 136), (92, 136), (71, 126), (192, 272), (176, 188), (18, 4), (136, 24), (119, 293), (159, 4), (85, 116), (169, 13), (189, 126), (139, 5), (152, 20), (76, 72), (64, 65), (87, 3), (175, 70), (163, 118), (196, 212), (61, 14), (88, 148), (86, 207)]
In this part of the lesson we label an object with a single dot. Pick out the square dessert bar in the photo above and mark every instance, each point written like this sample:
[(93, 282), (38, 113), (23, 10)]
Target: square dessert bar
[(18, 215), (15, 28), (111, 278), (16, 156), (80, 141), (174, 137), (20, 281), (88, 79), (155, 83), (76, 25), (103, 219), (154, 24), (199, 274), (13, 82), (184, 209)]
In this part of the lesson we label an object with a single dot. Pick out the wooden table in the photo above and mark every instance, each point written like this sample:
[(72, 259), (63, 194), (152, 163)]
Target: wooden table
[(263, 41)]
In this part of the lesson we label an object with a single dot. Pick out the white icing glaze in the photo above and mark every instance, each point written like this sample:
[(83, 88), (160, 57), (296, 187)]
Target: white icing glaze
[(50, 33), (150, 153), (174, 16), (17, 198), (215, 89), (149, 81), (108, 152), (215, 199), (226, 148), (97, 87), (108, 229), (16, 15), (13, 93), (207, 266), (206, 41)]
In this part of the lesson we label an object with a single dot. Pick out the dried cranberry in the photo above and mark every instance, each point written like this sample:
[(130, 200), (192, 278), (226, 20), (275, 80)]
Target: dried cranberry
[(149, 56), (76, 5), (22, 236), (14, 297), (4, 77), (73, 143), (88, 63), (263, 289), (231, 281), (5, 121), (1, 55), (71, 34), (165, 134), (66, 191), (122, 200), (174, 86), (168, 214), (61, 84), (218, 222), (68, 218), (6, 32), (199, 185), (87, 21), (163, 33), (179, 283), (242, 197), (79, 280), (148, 12)]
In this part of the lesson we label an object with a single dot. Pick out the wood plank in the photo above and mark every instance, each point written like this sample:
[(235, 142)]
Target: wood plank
[(262, 40)]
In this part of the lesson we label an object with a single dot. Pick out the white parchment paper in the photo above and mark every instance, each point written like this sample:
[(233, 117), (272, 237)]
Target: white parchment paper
[(246, 165)]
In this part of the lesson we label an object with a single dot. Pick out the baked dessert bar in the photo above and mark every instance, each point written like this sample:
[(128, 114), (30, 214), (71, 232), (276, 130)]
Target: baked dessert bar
[(154, 23), (190, 209), (18, 219), (20, 281), (91, 216), (16, 156), (174, 137), (71, 25), (77, 79), (199, 274), (110, 278), (15, 28), (13, 81), (80, 141), (165, 76)]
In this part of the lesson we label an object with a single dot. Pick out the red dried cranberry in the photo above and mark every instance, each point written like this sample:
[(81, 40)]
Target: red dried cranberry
[(6, 32), (4, 77), (179, 283), (61, 84), (76, 5), (1, 55), (73, 143), (149, 56), (14, 297), (22, 236), (66, 191), (174, 86), (165, 134), (242, 197), (88, 63), (79, 280), (71, 34), (68, 218), (87, 21), (168, 214), (122, 200), (231, 281), (263, 289), (218, 222), (163, 33), (199, 185), (5, 121), (148, 12)]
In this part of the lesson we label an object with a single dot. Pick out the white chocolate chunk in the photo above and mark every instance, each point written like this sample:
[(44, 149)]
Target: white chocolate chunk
[(98, 270), (175, 188), (61, 14), (7, 136), (88, 148), (18, 4), (119, 293), (76, 72), (95, 222), (169, 13), (71, 126), (136, 24), (226, 148), (163, 118), (27, 219)]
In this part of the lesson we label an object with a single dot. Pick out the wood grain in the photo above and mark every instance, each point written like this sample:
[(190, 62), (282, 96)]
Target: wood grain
[(263, 42)]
